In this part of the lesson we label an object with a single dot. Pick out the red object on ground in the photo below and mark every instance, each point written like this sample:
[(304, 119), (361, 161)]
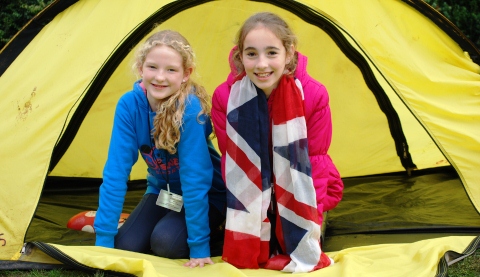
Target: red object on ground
[(83, 221)]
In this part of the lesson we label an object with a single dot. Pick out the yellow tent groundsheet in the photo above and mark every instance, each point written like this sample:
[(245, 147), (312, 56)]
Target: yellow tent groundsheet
[(404, 89), (412, 259)]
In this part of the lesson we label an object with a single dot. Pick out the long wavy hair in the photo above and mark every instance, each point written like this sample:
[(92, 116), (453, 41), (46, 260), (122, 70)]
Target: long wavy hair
[(169, 117)]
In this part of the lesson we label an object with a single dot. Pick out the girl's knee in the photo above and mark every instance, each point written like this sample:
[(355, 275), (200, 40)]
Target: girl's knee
[(168, 244), (131, 245)]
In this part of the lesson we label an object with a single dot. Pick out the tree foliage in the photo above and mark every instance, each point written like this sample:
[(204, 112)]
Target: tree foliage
[(15, 14), (465, 14)]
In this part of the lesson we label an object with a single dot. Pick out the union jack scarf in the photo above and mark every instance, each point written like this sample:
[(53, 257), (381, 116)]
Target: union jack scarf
[(249, 182)]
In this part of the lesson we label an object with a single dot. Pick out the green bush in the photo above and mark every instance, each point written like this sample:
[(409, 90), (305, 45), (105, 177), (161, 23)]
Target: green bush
[(15, 14), (465, 14)]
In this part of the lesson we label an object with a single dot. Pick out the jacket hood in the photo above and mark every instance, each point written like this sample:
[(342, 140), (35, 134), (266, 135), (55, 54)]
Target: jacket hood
[(141, 95)]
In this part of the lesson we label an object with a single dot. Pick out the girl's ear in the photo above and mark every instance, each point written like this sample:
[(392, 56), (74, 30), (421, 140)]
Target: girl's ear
[(186, 74), (290, 53), (140, 71)]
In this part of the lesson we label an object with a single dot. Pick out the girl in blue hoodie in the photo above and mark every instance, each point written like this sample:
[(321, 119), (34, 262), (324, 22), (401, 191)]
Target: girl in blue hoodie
[(165, 118)]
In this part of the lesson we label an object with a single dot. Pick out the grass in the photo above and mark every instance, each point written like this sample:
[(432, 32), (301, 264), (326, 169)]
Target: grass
[(469, 267)]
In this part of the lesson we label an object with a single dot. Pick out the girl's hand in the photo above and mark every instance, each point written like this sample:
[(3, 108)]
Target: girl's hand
[(198, 262)]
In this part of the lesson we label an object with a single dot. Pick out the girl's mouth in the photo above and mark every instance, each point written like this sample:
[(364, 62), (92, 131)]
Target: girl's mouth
[(159, 86), (263, 75)]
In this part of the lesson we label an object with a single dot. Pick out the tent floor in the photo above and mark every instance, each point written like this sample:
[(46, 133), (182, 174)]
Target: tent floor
[(396, 208), (337, 243), (374, 210)]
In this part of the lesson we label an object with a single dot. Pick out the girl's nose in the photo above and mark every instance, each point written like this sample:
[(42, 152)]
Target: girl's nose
[(160, 76), (262, 62)]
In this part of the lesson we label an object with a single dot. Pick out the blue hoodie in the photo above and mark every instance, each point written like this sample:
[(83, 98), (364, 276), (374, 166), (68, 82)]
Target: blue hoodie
[(193, 171)]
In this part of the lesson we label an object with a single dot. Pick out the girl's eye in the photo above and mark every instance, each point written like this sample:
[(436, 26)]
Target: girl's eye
[(250, 54), (272, 53)]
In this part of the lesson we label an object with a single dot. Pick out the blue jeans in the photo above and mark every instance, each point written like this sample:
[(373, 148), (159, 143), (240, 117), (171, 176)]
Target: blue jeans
[(151, 228)]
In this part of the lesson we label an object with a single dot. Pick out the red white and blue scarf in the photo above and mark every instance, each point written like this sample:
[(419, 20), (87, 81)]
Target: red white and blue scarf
[(249, 181)]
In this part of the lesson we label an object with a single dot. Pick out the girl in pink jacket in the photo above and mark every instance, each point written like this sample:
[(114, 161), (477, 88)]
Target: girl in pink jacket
[(277, 177)]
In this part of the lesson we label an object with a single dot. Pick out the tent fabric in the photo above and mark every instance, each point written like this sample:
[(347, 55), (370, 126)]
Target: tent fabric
[(385, 204), (383, 214), (363, 227), (416, 259), (404, 93)]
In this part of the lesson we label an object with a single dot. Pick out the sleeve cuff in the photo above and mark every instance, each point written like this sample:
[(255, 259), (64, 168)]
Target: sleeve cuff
[(200, 251), (105, 241)]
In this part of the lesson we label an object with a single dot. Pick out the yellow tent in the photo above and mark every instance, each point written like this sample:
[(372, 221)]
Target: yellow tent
[(404, 86)]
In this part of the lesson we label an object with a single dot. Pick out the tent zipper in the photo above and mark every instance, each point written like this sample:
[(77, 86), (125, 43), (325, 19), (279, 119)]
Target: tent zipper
[(67, 260)]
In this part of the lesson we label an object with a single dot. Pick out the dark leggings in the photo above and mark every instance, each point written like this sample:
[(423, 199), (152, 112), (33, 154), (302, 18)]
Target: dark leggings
[(151, 228)]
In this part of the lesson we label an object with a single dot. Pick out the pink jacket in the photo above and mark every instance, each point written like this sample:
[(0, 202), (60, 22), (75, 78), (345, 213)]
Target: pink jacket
[(326, 179)]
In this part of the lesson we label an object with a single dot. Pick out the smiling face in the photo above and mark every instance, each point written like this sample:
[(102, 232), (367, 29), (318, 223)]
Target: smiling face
[(162, 74), (264, 58)]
